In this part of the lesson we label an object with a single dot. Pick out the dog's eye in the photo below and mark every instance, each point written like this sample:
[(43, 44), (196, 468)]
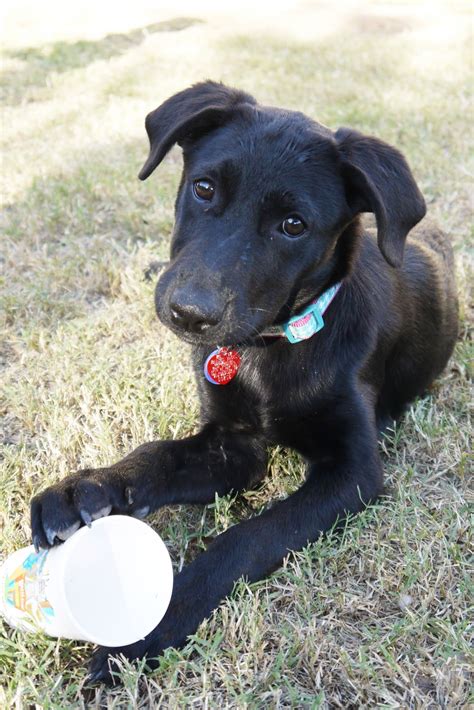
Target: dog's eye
[(293, 226), (204, 190)]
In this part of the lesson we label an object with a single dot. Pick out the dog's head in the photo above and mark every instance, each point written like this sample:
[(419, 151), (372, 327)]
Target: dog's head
[(265, 200)]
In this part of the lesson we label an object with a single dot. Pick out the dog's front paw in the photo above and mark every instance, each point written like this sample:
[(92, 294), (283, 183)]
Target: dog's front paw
[(60, 510)]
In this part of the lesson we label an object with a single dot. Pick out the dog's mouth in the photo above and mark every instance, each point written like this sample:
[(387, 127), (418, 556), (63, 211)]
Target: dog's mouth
[(234, 334), (205, 318), (229, 339)]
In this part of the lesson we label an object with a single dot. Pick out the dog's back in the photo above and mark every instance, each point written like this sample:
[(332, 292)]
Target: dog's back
[(428, 308)]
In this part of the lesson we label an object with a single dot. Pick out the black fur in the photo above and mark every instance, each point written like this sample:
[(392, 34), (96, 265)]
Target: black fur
[(233, 272)]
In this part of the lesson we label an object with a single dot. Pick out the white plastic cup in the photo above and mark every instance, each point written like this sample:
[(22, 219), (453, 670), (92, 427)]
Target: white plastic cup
[(110, 584)]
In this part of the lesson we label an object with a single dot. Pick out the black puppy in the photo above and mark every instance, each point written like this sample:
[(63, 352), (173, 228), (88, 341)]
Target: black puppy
[(267, 233)]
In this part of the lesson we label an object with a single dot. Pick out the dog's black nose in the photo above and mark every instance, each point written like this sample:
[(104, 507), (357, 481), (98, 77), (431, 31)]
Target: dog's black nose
[(194, 310)]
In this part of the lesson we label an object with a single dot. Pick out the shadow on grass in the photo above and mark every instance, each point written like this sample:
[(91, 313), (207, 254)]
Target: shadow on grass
[(73, 233), (39, 62)]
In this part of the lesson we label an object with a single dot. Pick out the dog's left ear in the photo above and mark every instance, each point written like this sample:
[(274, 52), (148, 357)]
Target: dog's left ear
[(188, 114), (379, 180)]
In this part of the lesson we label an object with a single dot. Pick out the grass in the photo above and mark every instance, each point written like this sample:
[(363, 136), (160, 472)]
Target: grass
[(376, 618)]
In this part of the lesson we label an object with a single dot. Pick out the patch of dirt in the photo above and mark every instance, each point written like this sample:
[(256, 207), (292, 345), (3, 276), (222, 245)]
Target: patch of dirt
[(10, 431), (7, 355)]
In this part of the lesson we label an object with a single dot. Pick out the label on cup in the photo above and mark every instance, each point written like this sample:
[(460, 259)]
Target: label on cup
[(24, 593)]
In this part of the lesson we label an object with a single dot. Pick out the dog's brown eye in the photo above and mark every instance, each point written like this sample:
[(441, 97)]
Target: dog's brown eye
[(204, 189), (293, 226)]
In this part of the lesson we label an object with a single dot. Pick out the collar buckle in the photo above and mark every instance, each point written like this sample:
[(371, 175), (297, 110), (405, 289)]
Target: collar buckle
[(304, 325)]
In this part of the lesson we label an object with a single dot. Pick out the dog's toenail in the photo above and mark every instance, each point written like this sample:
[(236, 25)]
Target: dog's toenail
[(86, 517), (50, 535)]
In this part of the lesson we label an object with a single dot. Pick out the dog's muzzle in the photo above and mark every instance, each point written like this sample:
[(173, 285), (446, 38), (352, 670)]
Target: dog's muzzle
[(194, 310)]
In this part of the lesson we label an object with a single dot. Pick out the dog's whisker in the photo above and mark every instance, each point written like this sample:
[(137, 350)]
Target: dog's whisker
[(254, 332), (263, 310)]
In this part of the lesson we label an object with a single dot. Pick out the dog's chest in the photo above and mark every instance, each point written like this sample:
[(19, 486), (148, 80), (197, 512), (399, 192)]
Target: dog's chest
[(273, 393)]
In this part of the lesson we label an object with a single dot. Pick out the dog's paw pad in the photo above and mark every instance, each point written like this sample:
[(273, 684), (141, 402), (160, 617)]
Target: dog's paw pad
[(141, 512), (66, 532), (102, 512)]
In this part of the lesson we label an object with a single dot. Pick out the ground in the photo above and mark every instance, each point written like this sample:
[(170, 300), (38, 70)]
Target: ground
[(377, 618)]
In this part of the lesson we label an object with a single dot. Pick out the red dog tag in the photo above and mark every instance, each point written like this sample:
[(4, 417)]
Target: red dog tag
[(221, 366)]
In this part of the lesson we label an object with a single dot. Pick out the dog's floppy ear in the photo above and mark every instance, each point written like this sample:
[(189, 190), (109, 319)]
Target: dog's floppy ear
[(379, 180), (192, 112)]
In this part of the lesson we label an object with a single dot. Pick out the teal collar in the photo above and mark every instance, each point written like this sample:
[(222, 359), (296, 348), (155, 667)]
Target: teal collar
[(306, 323), (222, 365)]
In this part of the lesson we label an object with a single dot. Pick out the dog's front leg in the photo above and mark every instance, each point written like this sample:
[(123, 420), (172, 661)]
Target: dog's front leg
[(335, 488), (160, 473)]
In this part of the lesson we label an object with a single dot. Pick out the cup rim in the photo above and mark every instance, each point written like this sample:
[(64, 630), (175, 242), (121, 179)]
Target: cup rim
[(72, 542)]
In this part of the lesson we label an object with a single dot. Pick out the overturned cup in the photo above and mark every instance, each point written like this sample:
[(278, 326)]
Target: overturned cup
[(109, 584)]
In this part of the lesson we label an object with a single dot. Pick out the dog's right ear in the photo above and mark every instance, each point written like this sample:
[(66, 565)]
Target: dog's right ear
[(379, 180), (190, 113)]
